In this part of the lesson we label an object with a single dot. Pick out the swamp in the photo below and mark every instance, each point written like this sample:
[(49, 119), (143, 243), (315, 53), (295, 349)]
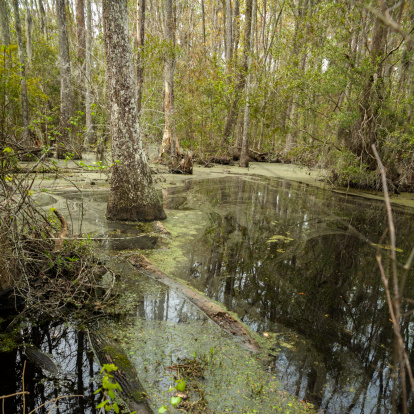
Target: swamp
[(206, 206)]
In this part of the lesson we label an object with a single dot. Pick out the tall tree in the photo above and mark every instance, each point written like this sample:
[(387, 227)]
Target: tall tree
[(42, 13), (241, 76), (169, 140), (132, 195), (23, 82), (29, 31), (140, 55), (244, 157), (5, 29), (88, 89), (80, 29), (229, 28), (66, 93)]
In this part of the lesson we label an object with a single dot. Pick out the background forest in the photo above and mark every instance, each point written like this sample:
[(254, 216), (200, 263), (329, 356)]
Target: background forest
[(313, 82)]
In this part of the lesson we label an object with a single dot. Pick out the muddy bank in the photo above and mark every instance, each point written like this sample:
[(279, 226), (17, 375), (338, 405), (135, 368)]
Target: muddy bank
[(70, 174)]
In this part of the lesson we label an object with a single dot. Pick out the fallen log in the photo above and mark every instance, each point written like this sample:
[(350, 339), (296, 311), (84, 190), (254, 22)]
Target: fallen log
[(214, 311), (109, 352)]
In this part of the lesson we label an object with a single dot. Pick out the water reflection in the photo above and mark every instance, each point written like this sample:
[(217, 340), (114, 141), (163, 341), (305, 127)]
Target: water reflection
[(288, 259), (69, 350)]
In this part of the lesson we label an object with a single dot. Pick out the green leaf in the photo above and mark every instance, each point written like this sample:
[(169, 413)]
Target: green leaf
[(100, 405), (115, 407), (175, 400), (96, 392), (111, 394), (180, 385), (162, 409)]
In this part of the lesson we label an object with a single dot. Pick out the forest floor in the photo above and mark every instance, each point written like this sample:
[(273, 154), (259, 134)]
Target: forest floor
[(69, 174)]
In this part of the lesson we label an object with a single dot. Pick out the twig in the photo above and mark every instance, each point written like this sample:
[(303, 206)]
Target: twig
[(54, 400), (23, 393), (394, 303), (3, 397)]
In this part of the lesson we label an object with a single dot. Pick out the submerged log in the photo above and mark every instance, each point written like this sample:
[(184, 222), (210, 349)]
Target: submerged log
[(214, 311), (109, 352), (221, 160), (252, 155), (37, 357)]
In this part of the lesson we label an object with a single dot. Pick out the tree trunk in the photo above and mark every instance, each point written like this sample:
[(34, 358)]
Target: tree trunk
[(241, 82), (23, 83), (140, 55), (80, 29), (229, 25), (132, 196), (364, 132), (169, 140), (5, 28), (244, 157), (204, 23), (29, 33), (42, 19), (66, 94), (88, 91), (236, 29)]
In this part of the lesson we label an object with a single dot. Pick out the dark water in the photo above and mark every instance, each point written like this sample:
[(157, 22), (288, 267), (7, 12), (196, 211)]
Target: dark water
[(69, 350), (292, 261)]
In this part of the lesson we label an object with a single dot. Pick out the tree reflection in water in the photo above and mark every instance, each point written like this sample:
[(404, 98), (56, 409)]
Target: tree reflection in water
[(289, 260), (69, 349)]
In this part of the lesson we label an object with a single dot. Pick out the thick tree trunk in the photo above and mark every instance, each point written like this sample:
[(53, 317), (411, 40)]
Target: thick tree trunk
[(169, 141), (88, 90), (364, 132), (140, 55), (23, 83), (66, 94), (5, 28), (80, 29), (132, 196)]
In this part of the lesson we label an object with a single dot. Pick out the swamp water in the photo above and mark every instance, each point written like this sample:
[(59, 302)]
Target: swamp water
[(285, 257)]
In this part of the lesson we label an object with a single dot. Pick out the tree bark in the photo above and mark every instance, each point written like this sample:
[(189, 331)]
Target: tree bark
[(42, 19), (204, 23), (80, 29), (169, 140), (66, 94), (132, 195), (229, 26), (23, 83), (140, 55), (29, 32), (5, 28), (88, 90)]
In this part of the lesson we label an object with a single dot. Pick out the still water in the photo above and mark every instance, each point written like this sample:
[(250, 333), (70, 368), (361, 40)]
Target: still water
[(291, 260)]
